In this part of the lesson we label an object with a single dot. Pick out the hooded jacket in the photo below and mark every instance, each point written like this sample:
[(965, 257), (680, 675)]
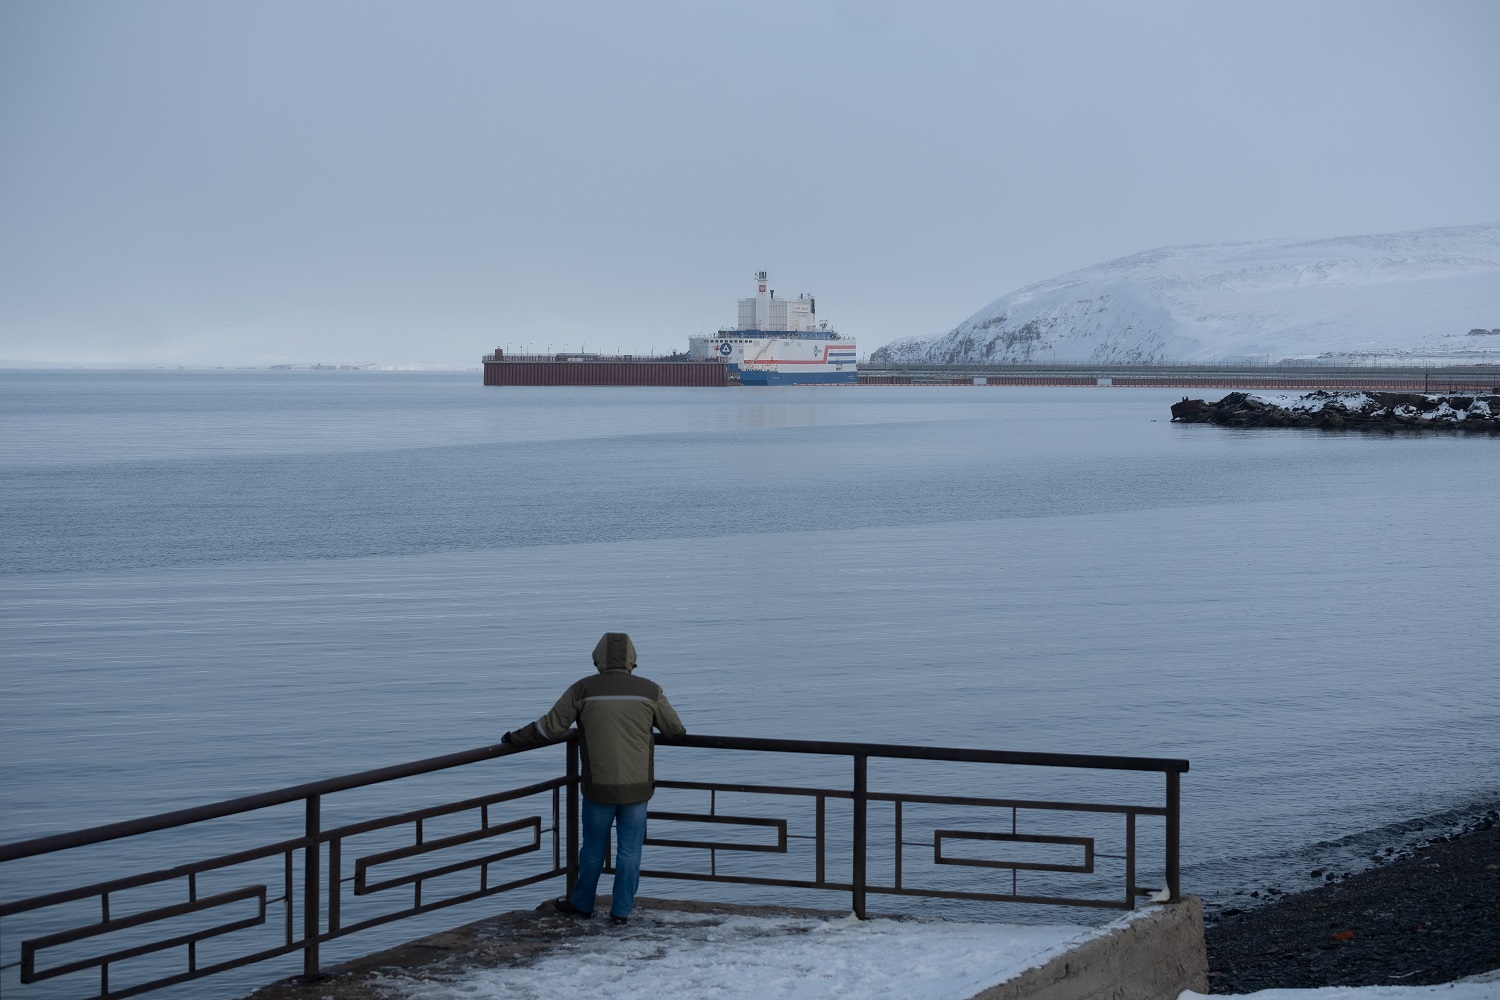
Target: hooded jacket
[(615, 711)]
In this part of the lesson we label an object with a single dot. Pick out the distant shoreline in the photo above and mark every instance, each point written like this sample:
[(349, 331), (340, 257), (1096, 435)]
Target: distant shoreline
[(173, 367)]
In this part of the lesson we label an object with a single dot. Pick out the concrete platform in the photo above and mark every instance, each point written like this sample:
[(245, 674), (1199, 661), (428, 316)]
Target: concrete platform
[(674, 948)]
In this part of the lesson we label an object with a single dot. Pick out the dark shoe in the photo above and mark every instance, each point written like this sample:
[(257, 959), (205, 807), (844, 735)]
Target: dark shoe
[(615, 921), (564, 905)]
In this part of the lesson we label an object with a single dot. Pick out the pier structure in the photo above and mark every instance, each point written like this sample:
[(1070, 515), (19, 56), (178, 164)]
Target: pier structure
[(502, 369), (1454, 378)]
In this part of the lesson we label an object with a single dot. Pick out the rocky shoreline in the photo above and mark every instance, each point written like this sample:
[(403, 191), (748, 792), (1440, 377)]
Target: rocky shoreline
[(1347, 410), (1428, 916)]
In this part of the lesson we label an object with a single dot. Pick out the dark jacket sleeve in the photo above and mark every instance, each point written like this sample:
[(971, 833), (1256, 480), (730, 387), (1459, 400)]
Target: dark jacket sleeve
[(666, 717), (555, 723)]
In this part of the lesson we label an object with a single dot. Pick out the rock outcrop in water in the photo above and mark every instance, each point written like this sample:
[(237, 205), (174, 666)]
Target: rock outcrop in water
[(1353, 410)]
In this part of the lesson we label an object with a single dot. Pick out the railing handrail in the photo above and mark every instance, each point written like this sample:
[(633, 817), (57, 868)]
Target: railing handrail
[(896, 750), (246, 803), (293, 793)]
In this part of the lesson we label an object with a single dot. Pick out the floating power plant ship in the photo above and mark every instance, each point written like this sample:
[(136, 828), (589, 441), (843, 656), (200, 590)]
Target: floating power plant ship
[(777, 341), (780, 342)]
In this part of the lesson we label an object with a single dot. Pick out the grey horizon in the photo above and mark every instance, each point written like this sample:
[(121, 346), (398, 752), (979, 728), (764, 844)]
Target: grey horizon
[(348, 183)]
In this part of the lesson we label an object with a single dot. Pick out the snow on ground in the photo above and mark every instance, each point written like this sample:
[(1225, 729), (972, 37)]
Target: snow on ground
[(1446, 991), (1426, 297), (665, 953), (673, 954)]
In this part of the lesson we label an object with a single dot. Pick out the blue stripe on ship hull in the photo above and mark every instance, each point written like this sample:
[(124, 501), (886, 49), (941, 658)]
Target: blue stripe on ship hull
[(798, 378)]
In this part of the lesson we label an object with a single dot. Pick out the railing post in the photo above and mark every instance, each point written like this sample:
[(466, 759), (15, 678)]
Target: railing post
[(311, 880), (1174, 833), (861, 791), (573, 794)]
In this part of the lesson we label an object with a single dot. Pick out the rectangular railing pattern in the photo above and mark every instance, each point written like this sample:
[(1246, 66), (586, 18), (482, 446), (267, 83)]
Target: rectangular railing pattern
[(158, 928)]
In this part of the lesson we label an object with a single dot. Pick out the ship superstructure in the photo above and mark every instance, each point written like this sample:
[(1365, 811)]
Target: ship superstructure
[(780, 341)]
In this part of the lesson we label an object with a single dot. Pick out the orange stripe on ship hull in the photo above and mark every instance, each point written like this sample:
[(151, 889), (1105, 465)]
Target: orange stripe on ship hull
[(752, 364), (747, 363)]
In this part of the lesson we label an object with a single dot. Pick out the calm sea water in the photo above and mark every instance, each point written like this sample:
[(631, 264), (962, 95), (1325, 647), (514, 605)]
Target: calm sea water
[(214, 584)]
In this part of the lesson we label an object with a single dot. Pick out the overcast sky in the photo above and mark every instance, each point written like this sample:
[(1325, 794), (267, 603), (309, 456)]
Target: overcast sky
[(251, 182)]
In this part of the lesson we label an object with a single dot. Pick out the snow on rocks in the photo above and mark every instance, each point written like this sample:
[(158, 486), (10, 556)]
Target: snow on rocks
[(1325, 409)]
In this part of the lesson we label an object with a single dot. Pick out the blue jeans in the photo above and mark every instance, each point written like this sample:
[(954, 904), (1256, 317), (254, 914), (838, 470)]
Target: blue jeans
[(630, 828)]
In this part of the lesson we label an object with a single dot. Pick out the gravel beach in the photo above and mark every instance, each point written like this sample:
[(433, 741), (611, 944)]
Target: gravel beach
[(1428, 916)]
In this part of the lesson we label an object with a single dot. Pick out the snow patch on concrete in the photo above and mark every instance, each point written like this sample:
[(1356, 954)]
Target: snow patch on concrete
[(674, 954)]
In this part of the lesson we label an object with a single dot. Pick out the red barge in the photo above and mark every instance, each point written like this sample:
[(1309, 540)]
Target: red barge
[(597, 369)]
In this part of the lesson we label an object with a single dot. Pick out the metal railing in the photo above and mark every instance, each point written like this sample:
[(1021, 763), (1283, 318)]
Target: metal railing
[(528, 834)]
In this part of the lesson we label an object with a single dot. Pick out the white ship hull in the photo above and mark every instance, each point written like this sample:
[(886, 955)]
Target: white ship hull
[(765, 357), (780, 341)]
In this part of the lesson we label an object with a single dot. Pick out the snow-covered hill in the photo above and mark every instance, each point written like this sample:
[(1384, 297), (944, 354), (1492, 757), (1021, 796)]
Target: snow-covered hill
[(1423, 297)]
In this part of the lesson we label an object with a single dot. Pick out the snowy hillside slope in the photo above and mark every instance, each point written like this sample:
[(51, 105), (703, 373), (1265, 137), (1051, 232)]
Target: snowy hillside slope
[(1429, 296)]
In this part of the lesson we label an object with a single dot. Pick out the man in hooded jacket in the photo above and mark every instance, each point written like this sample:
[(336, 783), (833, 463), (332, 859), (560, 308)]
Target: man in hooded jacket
[(615, 711)]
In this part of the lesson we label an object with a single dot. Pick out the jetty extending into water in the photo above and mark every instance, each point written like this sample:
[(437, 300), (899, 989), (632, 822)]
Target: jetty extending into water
[(1447, 379)]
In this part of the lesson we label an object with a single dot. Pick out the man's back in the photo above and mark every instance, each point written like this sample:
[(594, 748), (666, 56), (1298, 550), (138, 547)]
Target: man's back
[(615, 711)]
